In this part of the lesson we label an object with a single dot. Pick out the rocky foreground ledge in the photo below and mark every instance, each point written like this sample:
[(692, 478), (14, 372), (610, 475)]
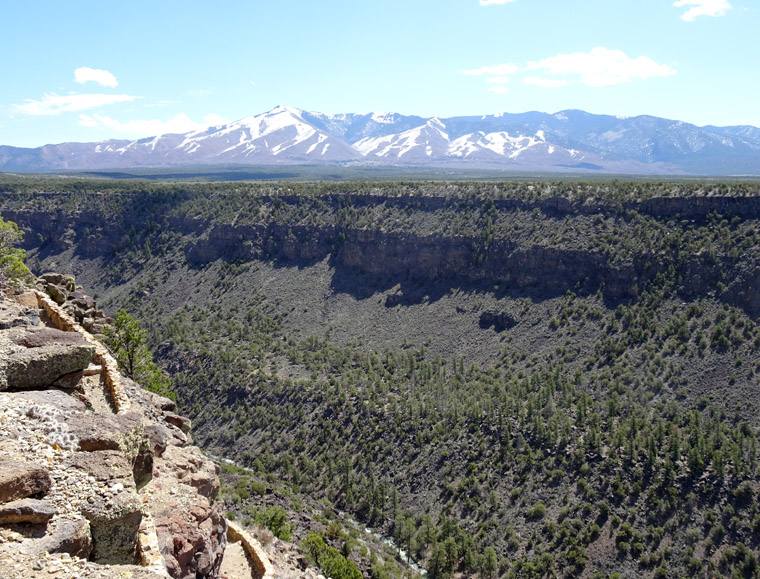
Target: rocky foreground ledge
[(98, 477)]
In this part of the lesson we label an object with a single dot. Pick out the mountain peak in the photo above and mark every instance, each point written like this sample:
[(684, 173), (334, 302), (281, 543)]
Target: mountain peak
[(531, 141), (285, 109)]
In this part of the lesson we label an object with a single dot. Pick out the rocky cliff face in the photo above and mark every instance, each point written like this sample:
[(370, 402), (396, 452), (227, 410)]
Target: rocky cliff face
[(97, 477), (421, 253)]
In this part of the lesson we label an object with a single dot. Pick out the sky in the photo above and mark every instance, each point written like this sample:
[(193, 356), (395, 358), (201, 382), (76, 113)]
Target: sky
[(92, 70)]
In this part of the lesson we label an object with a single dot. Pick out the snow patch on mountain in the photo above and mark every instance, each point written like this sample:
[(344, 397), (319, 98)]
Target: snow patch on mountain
[(430, 139), (500, 143), (529, 141)]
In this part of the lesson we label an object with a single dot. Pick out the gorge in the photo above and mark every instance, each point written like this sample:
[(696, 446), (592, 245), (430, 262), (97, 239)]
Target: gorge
[(520, 377)]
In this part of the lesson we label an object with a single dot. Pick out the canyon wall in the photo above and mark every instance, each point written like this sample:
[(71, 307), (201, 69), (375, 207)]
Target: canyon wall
[(455, 259)]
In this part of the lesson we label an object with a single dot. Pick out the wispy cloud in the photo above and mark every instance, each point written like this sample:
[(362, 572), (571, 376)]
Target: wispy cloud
[(702, 8), (598, 67), (54, 104), (496, 70), (215, 120), (102, 77), (163, 103), (180, 123), (200, 93), (498, 89), (491, 2), (602, 67), (545, 82)]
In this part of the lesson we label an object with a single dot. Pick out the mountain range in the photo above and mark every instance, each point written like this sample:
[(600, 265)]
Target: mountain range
[(570, 140)]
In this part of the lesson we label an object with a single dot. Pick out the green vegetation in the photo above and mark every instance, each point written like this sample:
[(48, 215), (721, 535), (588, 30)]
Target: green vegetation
[(128, 344), (329, 559), (608, 430), (273, 518), (12, 269), (611, 428)]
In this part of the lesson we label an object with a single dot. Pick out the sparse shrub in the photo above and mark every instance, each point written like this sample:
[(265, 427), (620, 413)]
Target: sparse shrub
[(537, 511)]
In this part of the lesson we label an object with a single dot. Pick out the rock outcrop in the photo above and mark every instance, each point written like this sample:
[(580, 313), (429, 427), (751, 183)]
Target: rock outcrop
[(415, 252), (97, 476), (19, 480)]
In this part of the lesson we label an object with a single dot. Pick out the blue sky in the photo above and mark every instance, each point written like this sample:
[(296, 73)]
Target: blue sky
[(93, 70)]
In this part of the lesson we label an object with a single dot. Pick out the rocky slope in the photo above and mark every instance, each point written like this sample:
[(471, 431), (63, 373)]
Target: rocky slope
[(98, 478)]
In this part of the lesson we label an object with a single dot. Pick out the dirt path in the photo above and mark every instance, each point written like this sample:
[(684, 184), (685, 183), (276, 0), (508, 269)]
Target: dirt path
[(237, 563)]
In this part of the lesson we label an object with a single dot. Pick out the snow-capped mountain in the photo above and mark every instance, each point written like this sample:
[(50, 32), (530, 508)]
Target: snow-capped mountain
[(428, 141), (280, 133), (533, 141)]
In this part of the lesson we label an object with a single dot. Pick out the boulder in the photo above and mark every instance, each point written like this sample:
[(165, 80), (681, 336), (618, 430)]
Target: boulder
[(162, 402), (26, 511), (178, 438), (70, 381), (33, 315), (58, 400), (58, 293), (122, 432), (158, 437), (83, 302), (35, 368), (69, 283), (181, 422), (103, 431), (51, 277), (19, 480), (28, 299), (151, 403), (191, 467), (42, 336), (70, 536), (114, 515), (192, 539), (13, 318)]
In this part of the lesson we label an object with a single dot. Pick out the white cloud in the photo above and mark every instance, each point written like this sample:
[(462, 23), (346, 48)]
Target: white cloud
[(87, 121), (215, 120), (490, 2), (602, 67), (102, 77), (164, 103), (545, 82), (498, 70), (180, 123), (497, 80), (498, 89), (702, 8), (53, 104), (200, 93)]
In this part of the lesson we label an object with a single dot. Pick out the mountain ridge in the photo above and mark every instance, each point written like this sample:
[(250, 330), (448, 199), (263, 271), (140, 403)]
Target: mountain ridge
[(532, 141)]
